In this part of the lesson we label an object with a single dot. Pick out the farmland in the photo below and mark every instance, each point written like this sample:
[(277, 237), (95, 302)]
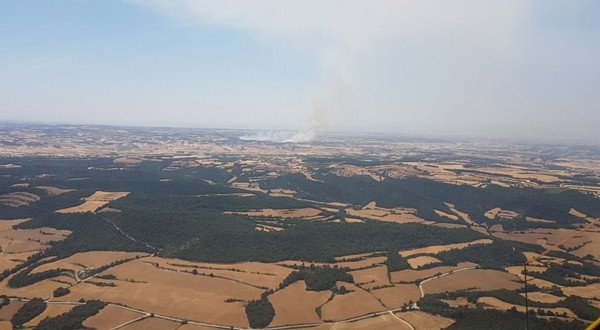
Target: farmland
[(344, 233)]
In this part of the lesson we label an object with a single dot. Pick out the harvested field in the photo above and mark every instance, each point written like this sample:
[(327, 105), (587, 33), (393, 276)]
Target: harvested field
[(464, 216), (501, 305), (92, 259), (491, 214), (54, 191), (8, 311), (43, 289), (385, 215), (371, 277), (423, 321), (190, 326), (267, 228), (295, 305), (18, 199), (110, 317), (305, 213), (168, 293), (422, 261), (381, 322), (356, 256), (458, 302), (356, 303), (446, 215), (95, 202), (450, 225), (440, 248), (27, 240), (576, 213), (411, 275), (51, 310), (516, 270), (8, 261), (398, 295), (362, 263), (481, 279), (543, 297), (353, 220), (8, 224), (152, 323), (253, 273), (127, 161), (591, 291)]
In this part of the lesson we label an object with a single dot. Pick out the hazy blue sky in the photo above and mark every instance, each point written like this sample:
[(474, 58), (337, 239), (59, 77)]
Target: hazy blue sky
[(486, 68)]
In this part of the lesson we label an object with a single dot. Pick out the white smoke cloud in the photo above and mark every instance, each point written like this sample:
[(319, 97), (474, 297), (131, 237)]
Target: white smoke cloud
[(281, 137), (345, 32)]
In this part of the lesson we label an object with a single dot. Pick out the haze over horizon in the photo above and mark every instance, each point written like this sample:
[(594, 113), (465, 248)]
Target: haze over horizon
[(518, 69)]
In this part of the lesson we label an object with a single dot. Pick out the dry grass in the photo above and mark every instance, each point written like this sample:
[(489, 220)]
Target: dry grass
[(353, 220), (446, 215), (411, 275), (18, 199), (491, 214), (381, 322), (386, 215), (576, 213), (253, 273), (95, 202), (8, 224), (54, 191), (92, 259), (356, 303), (43, 289), (591, 291), (355, 256), (481, 279), (51, 310), (422, 261), (152, 323), (434, 249), (176, 294), (304, 213), (398, 295), (371, 277), (462, 215), (267, 228), (28, 240), (110, 317), (127, 161), (543, 297), (423, 321), (8, 261), (295, 305), (8, 311), (501, 305), (362, 263)]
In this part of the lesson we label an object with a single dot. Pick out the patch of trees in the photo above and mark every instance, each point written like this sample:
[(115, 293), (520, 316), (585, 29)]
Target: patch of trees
[(427, 195), (496, 255), (580, 306), (59, 292), (479, 318), (260, 312), (315, 242), (74, 318), (27, 312), (25, 277), (5, 301), (318, 278), (395, 262), (560, 275)]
